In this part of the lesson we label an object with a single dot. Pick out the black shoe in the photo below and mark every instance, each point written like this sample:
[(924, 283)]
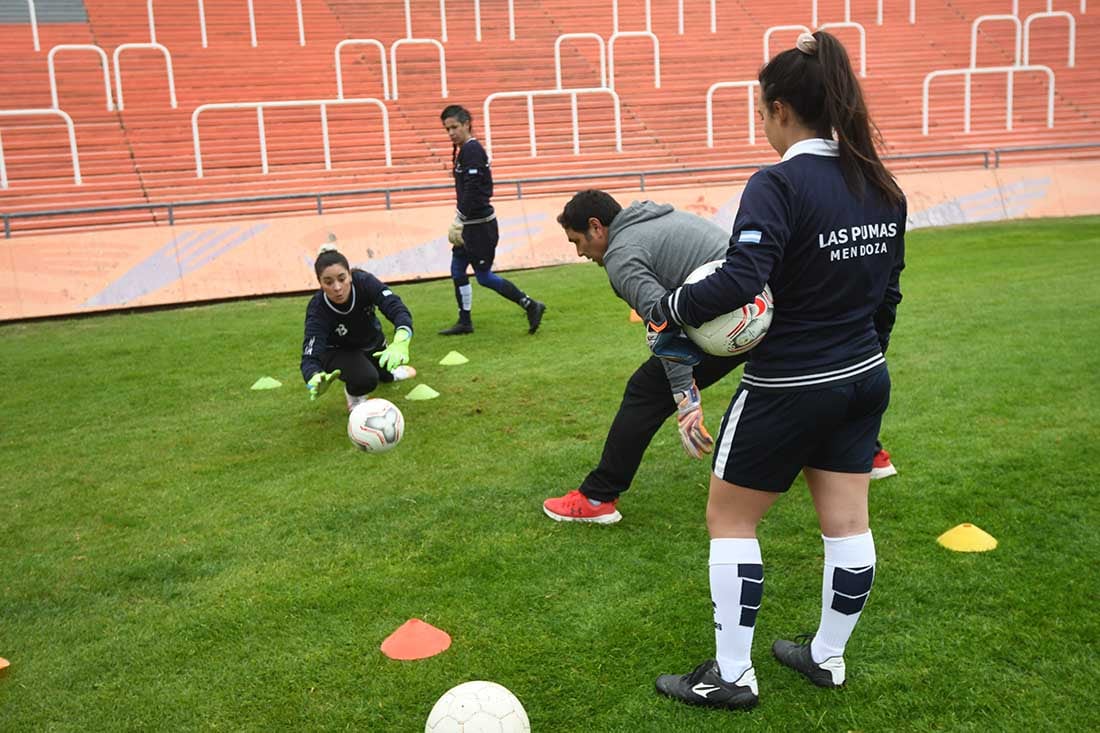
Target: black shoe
[(457, 329), (705, 686), (796, 655), (534, 315)]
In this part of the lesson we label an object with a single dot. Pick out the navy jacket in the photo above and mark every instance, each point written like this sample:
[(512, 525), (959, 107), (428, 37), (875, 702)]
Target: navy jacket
[(473, 181), (833, 261), (353, 325)]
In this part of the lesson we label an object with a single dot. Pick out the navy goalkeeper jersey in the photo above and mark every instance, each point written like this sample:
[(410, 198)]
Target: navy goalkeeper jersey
[(473, 181), (352, 325), (833, 261)]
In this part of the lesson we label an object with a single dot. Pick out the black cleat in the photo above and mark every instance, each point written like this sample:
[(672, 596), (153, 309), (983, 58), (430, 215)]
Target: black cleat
[(457, 329), (705, 686), (534, 315), (796, 655)]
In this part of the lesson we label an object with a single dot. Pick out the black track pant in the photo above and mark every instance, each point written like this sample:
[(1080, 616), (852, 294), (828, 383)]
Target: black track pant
[(647, 403), (360, 371)]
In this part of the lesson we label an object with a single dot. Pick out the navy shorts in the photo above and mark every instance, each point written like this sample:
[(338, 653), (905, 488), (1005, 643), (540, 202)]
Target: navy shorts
[(481, 243), (767, 437)]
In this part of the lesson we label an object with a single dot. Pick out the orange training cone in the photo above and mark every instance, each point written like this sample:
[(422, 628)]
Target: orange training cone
[(634, 317), (967, 538), (4, 664), (415, 639)]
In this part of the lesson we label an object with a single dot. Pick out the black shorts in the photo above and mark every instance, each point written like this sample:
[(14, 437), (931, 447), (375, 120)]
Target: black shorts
[(480, 243), (767, 437)]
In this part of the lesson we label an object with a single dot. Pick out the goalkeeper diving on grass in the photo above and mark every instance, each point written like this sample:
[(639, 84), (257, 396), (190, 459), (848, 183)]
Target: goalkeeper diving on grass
[(647, 249), (343, 336)]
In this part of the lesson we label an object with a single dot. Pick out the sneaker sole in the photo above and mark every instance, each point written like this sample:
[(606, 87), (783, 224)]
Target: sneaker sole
[(887, 472), (602, 519)]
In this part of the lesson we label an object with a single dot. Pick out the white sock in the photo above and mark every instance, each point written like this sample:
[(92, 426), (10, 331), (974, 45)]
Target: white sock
[(736, 586), (845, 585)]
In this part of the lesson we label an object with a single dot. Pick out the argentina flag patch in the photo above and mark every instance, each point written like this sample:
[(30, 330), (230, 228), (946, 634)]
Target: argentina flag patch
[(749, 236)]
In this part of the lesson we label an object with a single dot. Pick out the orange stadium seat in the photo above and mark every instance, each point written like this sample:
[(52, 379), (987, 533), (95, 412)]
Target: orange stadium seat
[(144, 154)]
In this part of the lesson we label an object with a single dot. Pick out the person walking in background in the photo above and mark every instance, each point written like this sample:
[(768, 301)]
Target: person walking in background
[(474, 234), (825, 227)]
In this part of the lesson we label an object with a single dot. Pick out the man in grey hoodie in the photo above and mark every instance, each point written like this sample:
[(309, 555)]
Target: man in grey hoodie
[(647, 250)]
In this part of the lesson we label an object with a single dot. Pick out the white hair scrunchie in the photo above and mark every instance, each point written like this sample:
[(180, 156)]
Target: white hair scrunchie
[(807, 44)]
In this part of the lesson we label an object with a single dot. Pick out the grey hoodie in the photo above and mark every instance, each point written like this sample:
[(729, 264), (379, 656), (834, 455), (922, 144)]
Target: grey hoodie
[(651, 249)]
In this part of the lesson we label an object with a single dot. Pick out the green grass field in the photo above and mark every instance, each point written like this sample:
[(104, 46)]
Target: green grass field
[(181, 553)]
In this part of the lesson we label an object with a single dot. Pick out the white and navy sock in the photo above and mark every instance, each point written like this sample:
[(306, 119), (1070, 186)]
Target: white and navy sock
[(736, 587), (845, 585)]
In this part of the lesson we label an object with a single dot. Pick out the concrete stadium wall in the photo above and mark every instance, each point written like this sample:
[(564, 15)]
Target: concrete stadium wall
[(61, 274)]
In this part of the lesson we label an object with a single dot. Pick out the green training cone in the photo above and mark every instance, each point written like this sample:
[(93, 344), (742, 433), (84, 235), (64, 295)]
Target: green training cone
[(453, 358), (266, 383), (422, 392)]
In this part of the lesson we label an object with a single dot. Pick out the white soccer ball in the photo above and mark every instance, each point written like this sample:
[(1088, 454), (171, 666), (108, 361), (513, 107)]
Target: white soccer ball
[(735, 332), (376, 425), (478, 707)]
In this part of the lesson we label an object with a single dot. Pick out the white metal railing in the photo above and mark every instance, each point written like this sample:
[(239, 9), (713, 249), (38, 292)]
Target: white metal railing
[(78, 47), (431, 41), (202, 23), (635, 34), (974, 36), (713, 16), (847, 12), (1050, 6), (615, 16), (862, 42), (775, 29), (260, 106), (167, 63), (531, 94), (361, 42), (1010, 70), (1049, 14), (749, 87), (72, 140), (477, 20), (878, 12), (557, 55), (34, 25)]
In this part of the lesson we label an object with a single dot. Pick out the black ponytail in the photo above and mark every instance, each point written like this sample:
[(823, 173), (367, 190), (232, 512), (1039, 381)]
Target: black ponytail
[(817, 81)]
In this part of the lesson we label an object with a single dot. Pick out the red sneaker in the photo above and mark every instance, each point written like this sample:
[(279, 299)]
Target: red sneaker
[(575, 507), (881, 466)]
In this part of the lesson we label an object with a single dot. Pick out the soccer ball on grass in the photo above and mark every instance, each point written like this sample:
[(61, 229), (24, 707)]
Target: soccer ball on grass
[(735, 332), (478, 707), (376, 425)]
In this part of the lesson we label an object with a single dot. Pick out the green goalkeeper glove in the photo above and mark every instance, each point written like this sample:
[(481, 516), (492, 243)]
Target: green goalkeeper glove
[(319, 382), (396, 353)]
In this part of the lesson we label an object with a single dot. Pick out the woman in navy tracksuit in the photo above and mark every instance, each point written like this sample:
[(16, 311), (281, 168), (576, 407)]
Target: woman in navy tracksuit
[(825, 228), (343, 337)]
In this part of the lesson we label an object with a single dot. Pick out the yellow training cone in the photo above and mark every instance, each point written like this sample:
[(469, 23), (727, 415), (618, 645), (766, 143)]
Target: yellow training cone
[(967, 538)]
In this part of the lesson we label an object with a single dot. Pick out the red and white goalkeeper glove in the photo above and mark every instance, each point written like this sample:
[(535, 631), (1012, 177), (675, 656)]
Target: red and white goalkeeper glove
[(689, 414)]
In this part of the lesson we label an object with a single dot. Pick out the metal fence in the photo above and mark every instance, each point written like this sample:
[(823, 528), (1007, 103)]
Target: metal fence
[(990, 158)]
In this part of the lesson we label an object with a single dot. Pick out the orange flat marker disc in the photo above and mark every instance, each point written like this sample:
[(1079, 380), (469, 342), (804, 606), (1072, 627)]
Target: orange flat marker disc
[(415, 639), (4, 664), (634, 317)]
